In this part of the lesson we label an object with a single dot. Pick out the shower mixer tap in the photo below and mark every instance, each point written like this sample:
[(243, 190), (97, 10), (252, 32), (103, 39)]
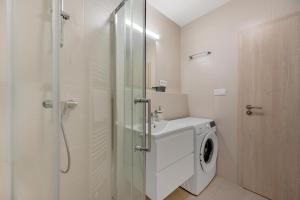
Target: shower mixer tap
[(70, 104), (47, 104)]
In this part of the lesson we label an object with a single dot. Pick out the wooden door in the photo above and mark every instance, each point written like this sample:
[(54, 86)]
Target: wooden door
[(269, 139)]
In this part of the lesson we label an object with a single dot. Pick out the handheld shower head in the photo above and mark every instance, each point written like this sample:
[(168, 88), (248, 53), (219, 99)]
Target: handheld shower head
[(66, 105)]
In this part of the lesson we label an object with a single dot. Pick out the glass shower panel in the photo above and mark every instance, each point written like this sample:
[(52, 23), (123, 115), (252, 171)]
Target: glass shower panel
[(85, 78), (139, 92), (123, 107), (129, 117), (34, 77)]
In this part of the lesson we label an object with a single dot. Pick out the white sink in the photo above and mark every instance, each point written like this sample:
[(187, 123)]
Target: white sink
[(163, 128), (158, 126)]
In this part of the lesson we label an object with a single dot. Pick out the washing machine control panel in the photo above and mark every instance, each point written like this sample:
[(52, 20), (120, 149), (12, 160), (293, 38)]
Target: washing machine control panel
[(204, 128), (207, 127)]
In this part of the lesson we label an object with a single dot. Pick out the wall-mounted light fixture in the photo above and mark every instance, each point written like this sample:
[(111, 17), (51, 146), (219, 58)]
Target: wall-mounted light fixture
[(200, 54), (140, 29)]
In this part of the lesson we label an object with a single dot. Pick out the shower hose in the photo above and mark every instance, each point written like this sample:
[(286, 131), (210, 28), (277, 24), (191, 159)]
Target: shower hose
[(65, 139)]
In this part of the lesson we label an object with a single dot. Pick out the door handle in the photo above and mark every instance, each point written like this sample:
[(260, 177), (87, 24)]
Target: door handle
[(250, 107), (147, 148)]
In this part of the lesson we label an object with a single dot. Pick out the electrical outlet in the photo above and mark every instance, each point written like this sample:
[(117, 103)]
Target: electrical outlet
[(163, 83)]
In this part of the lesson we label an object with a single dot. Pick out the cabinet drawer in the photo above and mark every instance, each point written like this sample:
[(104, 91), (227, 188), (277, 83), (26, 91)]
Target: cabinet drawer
[(175, 175), (174, 147)]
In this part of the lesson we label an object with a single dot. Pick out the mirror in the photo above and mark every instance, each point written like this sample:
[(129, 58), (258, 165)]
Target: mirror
[(150, 62)]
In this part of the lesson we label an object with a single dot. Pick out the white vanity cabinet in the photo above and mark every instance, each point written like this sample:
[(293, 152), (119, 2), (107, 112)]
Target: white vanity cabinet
[(170, 162)]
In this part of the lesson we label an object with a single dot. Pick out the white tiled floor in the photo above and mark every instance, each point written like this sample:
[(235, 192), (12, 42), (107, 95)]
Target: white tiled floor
[(219, 189)]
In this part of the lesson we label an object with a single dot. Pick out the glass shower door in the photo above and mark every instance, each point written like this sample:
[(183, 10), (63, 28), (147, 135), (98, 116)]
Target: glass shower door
[(139, 102), (34, 106), (129, 101)]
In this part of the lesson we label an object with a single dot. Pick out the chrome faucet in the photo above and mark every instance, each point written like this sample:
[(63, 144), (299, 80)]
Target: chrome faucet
[(155, 115)]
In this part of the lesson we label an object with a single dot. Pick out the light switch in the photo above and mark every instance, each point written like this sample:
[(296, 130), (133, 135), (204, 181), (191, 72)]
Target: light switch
[(220, 92)]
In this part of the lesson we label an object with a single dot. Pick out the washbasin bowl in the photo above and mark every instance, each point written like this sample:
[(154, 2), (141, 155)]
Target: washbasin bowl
[(158, 126), (162, 128)]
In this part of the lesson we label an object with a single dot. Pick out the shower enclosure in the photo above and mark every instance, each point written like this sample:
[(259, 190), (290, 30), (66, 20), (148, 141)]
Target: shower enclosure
[(34, 78), (128, 23), (77, 111)]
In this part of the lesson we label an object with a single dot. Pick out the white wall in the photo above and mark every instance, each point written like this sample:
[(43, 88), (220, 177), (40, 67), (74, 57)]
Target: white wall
[(217, 32)]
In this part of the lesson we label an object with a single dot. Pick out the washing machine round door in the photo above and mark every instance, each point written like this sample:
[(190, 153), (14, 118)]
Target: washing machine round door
[(209, 151)]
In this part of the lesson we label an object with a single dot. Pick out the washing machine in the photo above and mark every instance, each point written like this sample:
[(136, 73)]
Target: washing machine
[(206, 151)]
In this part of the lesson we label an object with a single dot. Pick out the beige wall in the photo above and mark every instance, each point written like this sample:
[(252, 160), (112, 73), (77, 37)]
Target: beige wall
[(218, 32), (167, 49), (173, 105), (4, 166), (84, 76)]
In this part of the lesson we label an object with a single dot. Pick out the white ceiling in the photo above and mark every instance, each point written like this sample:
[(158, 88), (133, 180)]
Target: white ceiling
[(183, 12)]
